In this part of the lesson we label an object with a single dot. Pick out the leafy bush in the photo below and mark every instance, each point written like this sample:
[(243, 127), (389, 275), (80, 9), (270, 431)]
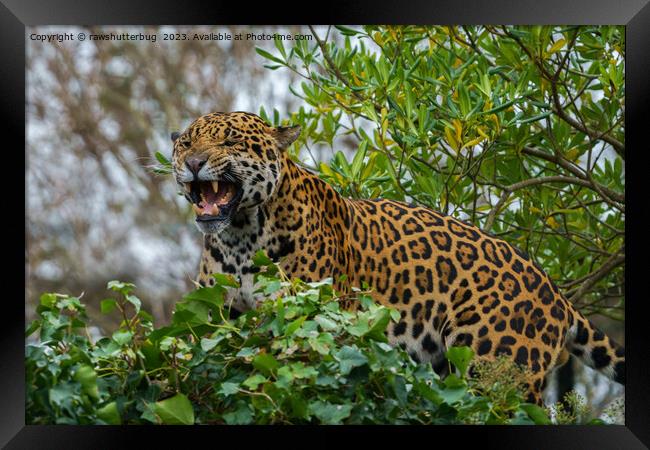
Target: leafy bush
[(298, 358)]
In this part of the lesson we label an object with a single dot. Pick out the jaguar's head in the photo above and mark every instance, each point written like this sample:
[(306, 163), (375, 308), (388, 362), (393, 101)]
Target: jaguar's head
[(228, 163)]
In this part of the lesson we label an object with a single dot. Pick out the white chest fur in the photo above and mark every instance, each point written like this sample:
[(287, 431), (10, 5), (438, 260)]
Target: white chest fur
[(244, 298)]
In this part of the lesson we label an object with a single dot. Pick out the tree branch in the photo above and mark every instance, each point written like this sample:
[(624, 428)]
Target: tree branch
[(562, 162), (612, 262)]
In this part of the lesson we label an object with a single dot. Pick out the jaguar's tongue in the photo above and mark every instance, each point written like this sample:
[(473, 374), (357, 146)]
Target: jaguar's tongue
[(214, 195), (209, 209)]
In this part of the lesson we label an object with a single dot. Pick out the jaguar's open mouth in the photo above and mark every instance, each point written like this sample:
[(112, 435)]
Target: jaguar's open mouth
[(214, 200)]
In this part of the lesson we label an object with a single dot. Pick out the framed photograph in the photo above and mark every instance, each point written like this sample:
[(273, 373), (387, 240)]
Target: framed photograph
[(405, 215)]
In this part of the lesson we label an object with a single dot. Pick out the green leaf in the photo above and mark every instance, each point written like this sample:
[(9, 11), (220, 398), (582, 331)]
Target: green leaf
[(261, 260), (225, 280), (228, 388), (35, 325), (299, 370), (349, 358), (272, 286), (62, 394), (280, 46), (254, 381), (536, 413), (453, 395), (265, 363), (192, 312), (176, 410), (299, 406), (460, 357), (360, 328), (325, 323), (377, 331), (208, 344), (330, 413), (267, 55), (294, 325), (120, 286), (346, 31), (210, 295), (48, 300), (557, 46), (107, 305), (463, 97), (122, 337), (500, 107), (535, 118), (162, 159), (110, 414), (241, 416), (245, 352), (87, 377), (357, 161), (135, 301), (321, 344)]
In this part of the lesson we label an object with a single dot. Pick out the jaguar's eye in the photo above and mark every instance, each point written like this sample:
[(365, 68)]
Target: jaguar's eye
[(232, 138), (184, 141), (231, 142)]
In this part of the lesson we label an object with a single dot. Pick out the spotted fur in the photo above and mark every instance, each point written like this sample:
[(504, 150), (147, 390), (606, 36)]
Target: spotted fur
[(451, 283)]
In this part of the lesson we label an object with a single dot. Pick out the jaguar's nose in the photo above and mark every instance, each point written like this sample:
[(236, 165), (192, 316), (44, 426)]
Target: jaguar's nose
[(194, 163)]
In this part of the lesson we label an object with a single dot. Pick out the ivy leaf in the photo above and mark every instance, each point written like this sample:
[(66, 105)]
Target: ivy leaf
[(377, 331), (326, 323), (110, 414), (241, 416), (228, 388), (211, 295), (176, 410), (208, 344), (349, 358), (120, 286), (87, 377), (460, 357), (330, 413), (225, 280), (536, 413), (294, 325), (254, 381), (453, 395), (122, 337), (107, 305), (135, 301), (321, 344), (261, 260), (265, 363)]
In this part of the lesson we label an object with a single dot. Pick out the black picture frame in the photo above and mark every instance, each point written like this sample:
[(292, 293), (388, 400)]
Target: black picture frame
[(15, 15)]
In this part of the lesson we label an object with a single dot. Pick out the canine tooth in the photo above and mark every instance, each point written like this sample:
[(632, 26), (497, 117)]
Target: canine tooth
[(196, 208), (215, 186), (188, 187)]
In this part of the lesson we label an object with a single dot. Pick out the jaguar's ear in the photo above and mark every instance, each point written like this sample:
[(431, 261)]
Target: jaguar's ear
[(175, 135), (285, 136)]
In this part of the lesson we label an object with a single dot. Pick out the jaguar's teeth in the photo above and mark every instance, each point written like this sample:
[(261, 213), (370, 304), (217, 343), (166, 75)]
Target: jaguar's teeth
[(196, 208), (188, 187), (215, 186)]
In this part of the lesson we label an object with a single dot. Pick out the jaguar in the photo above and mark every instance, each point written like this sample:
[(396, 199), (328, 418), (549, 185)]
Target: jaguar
[(452, 283)]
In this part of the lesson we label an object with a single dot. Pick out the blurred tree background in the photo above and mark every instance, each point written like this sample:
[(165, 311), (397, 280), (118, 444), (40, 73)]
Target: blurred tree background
[(519, 130), (97, 112)]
